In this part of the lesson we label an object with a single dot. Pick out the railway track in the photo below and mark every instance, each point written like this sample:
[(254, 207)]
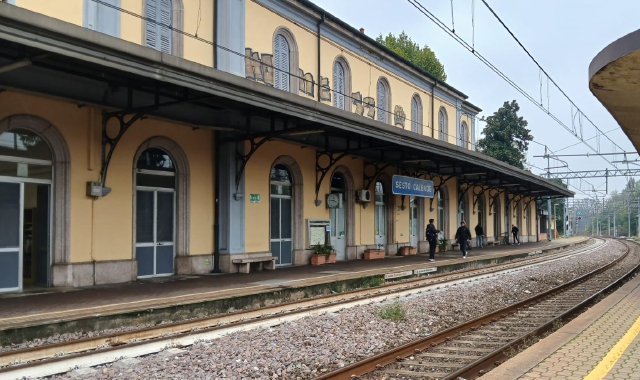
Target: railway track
[(471, 349), (58, 358)]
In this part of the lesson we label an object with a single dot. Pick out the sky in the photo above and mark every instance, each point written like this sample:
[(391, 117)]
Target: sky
[(562, 35)]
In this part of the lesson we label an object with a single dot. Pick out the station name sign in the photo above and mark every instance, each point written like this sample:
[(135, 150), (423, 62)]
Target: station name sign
[(412, 186)]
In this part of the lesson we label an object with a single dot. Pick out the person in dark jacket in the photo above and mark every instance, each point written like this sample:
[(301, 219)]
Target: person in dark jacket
[(479, 236), (432, 238), (463, 235), (514, 231)]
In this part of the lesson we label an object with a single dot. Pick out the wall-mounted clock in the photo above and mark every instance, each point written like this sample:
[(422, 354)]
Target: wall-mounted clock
[(333, 201)]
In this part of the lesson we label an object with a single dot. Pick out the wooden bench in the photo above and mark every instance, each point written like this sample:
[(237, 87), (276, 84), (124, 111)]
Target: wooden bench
[(244, 265), (492, 241)]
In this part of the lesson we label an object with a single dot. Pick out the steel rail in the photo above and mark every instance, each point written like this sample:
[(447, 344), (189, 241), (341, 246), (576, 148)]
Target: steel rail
[(220, 325), (486, 363), (385, 358)]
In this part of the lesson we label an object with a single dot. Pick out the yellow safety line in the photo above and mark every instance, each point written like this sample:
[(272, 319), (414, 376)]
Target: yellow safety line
[(605, 365), (203, 293)]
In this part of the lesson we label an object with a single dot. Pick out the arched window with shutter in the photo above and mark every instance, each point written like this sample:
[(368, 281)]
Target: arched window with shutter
[(384, 101), (338, 85), (158, 34), (442, 124), (416, 114), (463, 138), (281, 59)]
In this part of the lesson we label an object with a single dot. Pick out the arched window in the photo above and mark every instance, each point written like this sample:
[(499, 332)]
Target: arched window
[(384, 101), (480, 212), (338, 85), (416, 114), (281, 60), (158, 35), (463, 135), (442, 124)]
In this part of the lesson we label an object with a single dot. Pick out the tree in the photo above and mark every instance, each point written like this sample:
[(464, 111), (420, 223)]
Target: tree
[(423, 57), (506, 136)]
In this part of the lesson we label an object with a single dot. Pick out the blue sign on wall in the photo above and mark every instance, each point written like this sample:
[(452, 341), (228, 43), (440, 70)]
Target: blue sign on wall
[(412, 186)]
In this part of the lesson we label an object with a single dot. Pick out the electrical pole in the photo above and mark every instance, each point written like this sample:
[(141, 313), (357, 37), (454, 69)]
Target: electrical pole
[(629, 217), (548, 200), (609, 219), (615, 231)]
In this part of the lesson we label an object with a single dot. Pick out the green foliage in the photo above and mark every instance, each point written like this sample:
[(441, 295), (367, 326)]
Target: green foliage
[(393, 312), (372, 282), (622, 205), (423, 57), (506, 136), (323, 249), (442, 244)]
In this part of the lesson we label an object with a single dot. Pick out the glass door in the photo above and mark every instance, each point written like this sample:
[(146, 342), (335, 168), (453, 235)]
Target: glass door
[(413, 221), (380, 217), (338, 238), (11, 199), (155, 232)]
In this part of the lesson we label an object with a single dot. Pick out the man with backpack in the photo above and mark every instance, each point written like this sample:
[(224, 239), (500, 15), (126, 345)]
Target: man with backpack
[(514, 231), (432, 238), (479, 236), (463, 235)]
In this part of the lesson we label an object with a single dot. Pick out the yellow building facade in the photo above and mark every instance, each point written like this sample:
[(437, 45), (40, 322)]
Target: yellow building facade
[(148, 138)]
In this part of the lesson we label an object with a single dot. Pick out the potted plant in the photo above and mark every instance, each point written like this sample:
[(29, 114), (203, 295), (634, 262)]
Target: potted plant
[(323, 254), (408, 250), (442, 244), (373, 254)]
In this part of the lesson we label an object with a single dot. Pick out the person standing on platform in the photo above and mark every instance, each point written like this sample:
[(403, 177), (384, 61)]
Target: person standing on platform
[(432, 238), (463, 235), (514, 231), (479, 236)]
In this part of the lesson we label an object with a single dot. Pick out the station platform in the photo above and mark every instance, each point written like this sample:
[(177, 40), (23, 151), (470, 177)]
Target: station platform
[(602, 343), (29, 315)]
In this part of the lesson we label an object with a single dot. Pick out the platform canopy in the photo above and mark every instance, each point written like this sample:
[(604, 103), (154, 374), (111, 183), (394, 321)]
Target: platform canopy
[(614, 78), (45, 56)]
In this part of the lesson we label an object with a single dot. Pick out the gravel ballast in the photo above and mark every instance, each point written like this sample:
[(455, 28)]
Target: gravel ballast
[(312, 346)]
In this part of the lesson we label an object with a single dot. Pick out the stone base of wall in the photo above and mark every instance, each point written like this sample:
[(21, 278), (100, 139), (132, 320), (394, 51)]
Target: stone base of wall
[(90, 273), (72, 275), (194, 264), (114, 271)]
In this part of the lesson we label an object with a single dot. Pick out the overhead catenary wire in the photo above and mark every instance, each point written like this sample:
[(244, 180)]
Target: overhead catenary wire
[(506, 78), (543, 71)]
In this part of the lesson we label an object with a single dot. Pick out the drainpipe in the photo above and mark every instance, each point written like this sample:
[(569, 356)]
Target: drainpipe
[(433, 116), (319, 41), (215, 35), (216, 205)]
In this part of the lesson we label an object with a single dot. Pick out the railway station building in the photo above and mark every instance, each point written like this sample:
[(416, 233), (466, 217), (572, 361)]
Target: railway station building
[(144, 138)]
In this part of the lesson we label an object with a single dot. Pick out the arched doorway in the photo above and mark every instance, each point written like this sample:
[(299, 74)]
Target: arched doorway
[(26, 177), (155, 208), (528, 221), (414, 221), (442, 220), (281, 215), (496, 218), (380, 215), (338, 217)]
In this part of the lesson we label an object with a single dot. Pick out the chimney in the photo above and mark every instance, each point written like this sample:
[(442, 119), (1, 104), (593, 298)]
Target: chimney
[(361, 30)]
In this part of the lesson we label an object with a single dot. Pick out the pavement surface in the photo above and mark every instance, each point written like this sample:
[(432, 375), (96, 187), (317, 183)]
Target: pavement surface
[(37, 306)]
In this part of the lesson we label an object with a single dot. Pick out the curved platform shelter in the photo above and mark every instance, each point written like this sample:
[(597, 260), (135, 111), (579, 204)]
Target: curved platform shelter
[(614, 79), (130, 148)]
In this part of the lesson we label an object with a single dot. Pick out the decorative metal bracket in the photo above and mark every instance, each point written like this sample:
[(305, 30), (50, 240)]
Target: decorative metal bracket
[(515, 199), (377, 169), (256, 140), (493, 197), (109, 143), (527, 203), (125, 119), (322, 170), (443, 180), (477, 195)]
